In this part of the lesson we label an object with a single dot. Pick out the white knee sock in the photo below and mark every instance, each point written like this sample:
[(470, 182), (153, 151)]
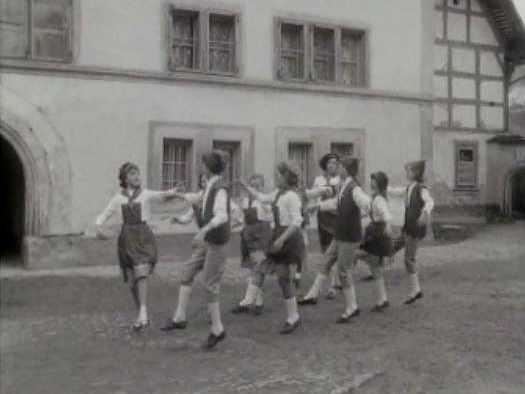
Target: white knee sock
[(414, 284), (259, 297), (291, 310), (215, 314), (381, 291), (182, 305), (350, 299), (246, 300), (143, 313), (316, 287), (251, 295)]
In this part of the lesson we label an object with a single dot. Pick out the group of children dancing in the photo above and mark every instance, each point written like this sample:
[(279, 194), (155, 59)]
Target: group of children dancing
[(273, 237)]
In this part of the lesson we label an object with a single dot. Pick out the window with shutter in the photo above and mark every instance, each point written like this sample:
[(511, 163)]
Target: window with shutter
[(342, 148), (47, 35), (176, 159), (13, 28), (233, 169), (352, 57), (292, 51), (301, 154), (466, 165), (323, 54), (185, 40), (221, 45)]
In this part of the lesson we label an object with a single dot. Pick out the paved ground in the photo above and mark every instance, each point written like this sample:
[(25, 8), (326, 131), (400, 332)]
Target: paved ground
[(67, 332)]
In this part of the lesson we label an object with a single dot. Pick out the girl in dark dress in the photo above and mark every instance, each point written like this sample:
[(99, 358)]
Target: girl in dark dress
[(287, 243), (137, 249)]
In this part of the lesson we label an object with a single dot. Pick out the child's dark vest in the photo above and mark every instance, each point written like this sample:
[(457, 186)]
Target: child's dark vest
[(348, 220), (219, 235), (413, 212), (326, 219)]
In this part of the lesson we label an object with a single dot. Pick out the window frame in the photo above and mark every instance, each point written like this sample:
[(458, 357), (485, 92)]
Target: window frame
[(309, 30), (474, 146), (189, 160), (310, 145), (29, 36), (203, 15)]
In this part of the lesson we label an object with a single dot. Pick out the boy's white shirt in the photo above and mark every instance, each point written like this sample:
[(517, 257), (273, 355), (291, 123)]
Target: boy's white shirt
[(360, 197), (289, 204), (220, 205), (405, 192)]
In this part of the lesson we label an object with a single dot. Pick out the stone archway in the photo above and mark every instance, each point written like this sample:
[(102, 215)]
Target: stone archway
[(45, 162), (513, 191)]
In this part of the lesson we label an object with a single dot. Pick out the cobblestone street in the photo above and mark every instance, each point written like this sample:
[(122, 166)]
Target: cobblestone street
[(67, 331)]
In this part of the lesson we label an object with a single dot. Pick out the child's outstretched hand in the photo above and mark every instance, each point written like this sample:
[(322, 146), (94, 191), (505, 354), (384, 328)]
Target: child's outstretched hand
[(100, 233)]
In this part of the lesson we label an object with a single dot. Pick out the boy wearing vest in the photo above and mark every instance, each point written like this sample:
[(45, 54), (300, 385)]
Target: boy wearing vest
[(344, 249), (255, 236), (137, 249), (209, 255), (418, 208), (286, 245), (329, 163)]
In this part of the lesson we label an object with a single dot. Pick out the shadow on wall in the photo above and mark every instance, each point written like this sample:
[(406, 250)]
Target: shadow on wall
[(445, 195)]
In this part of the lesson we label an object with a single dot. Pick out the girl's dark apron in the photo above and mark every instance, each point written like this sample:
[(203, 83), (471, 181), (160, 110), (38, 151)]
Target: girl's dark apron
[(136, 242), (376, 242), (326, 221), (293, 249), (255, 235)]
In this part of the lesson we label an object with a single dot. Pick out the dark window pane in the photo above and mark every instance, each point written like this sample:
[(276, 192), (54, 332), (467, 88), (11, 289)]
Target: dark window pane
[(13, 28), (324, 54), (176, 163), (292, 51), (222, 43), (300, 153), (185, 39)]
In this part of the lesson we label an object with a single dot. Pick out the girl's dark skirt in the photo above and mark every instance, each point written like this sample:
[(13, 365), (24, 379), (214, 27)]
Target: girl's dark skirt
[(292, 251), (137, 250), (254, 237), (376, 242)]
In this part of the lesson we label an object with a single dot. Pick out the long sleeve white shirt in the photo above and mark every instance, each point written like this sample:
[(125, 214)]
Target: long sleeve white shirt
[(360, 197), (289, 204), (220, 205)]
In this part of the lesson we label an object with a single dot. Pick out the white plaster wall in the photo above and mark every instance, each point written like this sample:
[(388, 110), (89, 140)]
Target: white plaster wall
[(492, 118), (463, 88), (441, 87), (481, 32), (457, 27), (105, 123), (464, 60), (464, 115), (440, 58), (489, 64), (492, 91), (439, 24), (440, 115), (474, 6), (130, 34)]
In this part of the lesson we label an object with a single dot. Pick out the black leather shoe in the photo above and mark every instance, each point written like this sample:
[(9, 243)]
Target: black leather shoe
[(307, 301), (368, 278), (240, 309), (381, 307), (414, 298), (289, 328), (257, 310), (347, 318), (172, 325), (213, 340)]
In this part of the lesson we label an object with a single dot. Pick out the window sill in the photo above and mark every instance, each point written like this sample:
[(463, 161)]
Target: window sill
[(466, 191)]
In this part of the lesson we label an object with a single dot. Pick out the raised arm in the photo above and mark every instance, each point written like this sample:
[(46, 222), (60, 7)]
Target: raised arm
[(361, 199), (266, 198), (109, 211)]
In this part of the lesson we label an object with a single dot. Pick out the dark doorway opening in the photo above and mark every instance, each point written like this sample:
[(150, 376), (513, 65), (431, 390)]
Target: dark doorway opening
[(12, 208), (518, 192)]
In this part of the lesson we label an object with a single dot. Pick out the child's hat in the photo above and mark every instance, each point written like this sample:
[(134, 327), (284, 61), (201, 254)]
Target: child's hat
[(417, 167), (326, 158)]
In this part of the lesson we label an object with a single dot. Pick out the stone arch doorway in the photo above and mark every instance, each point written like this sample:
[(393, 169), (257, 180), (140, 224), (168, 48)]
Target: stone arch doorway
[(13, 209), (514, 192)]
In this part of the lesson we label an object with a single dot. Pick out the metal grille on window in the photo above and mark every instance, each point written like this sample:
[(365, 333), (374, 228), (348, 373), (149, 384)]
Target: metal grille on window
[(13, 28), (324, 54), (50, 29), (352, 57), (176, 164), (233, 169), (342, 148), (222, 43), (466, 167), (292, 51), (185, 40), (300, 153)]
